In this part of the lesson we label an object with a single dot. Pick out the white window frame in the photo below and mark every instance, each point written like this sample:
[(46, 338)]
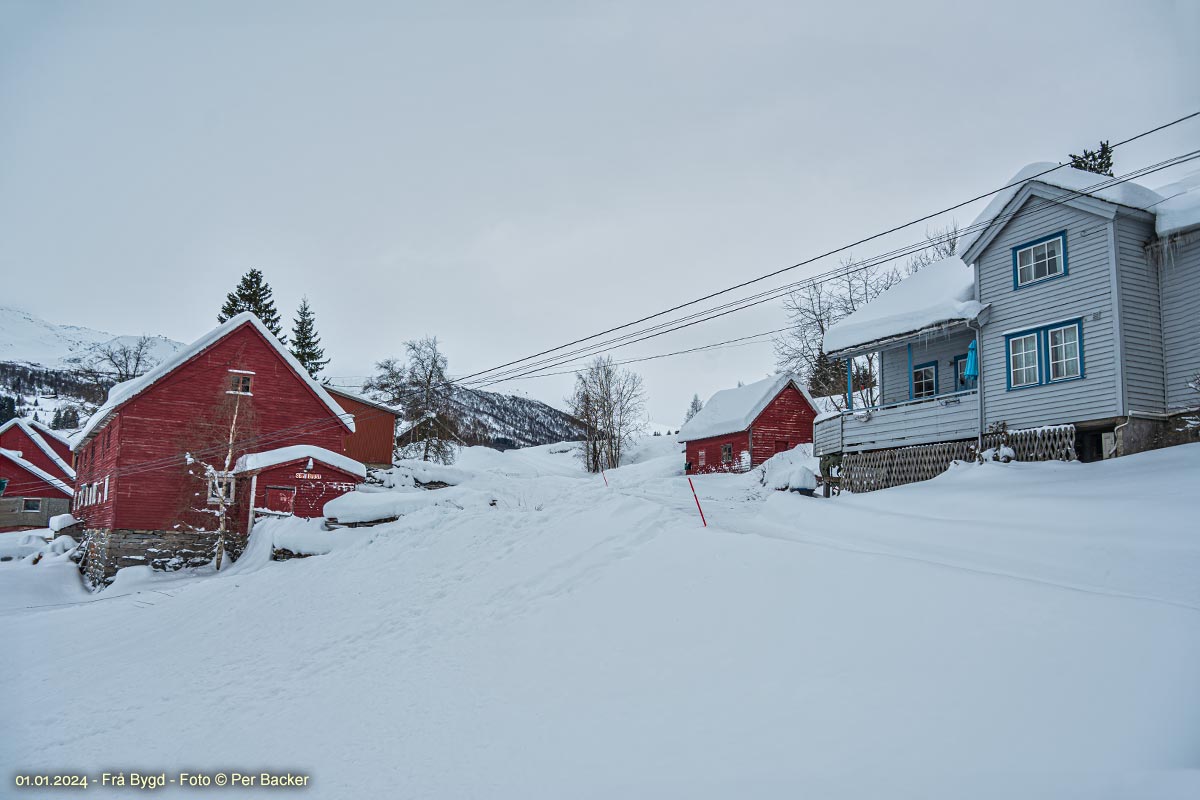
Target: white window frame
[(933, 375), (1075, 333), (214, 493), (25, 501), (700, 460), (1037, 361), (1058, 242)]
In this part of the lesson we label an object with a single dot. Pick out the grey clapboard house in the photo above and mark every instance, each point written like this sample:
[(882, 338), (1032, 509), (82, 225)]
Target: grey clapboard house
[(1081, 296)]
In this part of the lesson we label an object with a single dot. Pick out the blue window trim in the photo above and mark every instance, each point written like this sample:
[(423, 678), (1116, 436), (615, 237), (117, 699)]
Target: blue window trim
[(1060, 235), (936, 385), (1042, 332), (958, 360)]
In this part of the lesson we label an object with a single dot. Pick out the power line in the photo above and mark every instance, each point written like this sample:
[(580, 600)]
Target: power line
[(693, 319), (843, 248)]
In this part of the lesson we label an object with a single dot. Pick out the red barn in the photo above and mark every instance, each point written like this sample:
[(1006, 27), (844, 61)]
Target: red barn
[(374, 437), (740, 428), (296, 480), (156, 464)]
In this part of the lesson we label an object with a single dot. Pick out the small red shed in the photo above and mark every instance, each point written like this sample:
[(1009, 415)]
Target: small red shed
[(738, 429), (297, 480)]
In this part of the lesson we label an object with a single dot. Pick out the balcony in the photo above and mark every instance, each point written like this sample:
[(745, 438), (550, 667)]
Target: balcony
[(944, 418)]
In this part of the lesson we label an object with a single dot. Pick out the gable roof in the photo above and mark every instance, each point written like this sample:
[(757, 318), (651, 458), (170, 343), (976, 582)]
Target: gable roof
[(364, 400), (36, 471), (734, 410), (49, 433), (40, 443), (937, 295), (124, 392), (1176, 206), (252, 462)]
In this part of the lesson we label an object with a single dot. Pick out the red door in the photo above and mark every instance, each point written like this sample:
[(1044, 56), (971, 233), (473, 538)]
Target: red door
[(781, 445), (281, 498)]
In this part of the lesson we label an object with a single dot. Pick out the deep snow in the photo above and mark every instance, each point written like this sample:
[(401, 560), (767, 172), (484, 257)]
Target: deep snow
[(1019, 630)]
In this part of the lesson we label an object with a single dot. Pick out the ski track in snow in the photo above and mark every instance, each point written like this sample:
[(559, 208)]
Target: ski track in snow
[(590, 641)]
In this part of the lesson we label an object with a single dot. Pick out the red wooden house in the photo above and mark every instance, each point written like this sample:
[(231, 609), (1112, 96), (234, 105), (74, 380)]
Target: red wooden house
[(296, 480), (58, 443), (155, 464), (36, 448), (374, 438), (30, 495), (740, 428)]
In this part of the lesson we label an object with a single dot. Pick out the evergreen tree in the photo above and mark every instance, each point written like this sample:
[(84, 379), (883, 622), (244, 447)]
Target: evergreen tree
[(306, 344), (693, 409), (828, 378), (253, 294), (56, 420), (8, 408), (1097, 161)]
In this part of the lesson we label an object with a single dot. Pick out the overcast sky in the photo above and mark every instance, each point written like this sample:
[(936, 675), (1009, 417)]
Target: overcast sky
[(509, 176)]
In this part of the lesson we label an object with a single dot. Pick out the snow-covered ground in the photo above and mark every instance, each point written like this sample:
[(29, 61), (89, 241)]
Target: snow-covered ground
[(1019, 630)]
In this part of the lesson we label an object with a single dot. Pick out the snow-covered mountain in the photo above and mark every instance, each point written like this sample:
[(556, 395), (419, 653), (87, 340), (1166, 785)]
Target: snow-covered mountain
[(28, 339), (510, 421)]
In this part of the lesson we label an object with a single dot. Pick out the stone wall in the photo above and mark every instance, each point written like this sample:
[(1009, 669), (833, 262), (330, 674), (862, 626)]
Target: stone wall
[(106, 551), (1137, 435)]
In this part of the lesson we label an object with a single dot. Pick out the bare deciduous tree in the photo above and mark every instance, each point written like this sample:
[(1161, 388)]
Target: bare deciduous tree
[(610, 402), (420, 387), (815, 307), (118, 361)]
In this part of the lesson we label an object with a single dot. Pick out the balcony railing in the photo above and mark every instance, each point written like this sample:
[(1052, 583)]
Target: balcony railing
[(944, 418)]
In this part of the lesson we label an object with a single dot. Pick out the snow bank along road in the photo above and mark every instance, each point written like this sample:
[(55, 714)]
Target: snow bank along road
[(1002, 631)]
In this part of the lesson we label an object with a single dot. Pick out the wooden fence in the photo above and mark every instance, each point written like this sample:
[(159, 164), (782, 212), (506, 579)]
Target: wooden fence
[(881, 469)]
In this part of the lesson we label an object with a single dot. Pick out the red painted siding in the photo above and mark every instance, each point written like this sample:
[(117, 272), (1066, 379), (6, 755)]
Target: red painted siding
[(144, 459), (23, 483), (311, 493), (57, 445), (374, 436), (787, 418), (739, 442), (16, 438)]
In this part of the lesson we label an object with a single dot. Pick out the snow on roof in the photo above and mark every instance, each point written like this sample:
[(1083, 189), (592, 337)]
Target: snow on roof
[(41, 443), (123, 392), (1171, 216), (252, 462), (15, 457), (364, 399), (733, 410), (940, 293), (46, 430), (1180, 207)]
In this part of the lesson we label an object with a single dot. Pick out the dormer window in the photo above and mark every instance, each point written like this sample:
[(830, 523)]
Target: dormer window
[(240, 381), (1041, 260)]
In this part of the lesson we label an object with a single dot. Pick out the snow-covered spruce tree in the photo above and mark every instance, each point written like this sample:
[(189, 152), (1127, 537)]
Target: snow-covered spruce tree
[(420, 388), (610, 402), (306, 343), (693, 409), (253, 293), (1097, 161)]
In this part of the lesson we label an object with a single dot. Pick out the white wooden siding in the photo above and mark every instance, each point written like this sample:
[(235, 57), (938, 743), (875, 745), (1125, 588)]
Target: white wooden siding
[(1141, 318), (1180, 274), (1085, 292)]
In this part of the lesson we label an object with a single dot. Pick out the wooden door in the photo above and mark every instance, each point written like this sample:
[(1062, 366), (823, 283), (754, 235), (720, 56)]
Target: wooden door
[(281, 498)]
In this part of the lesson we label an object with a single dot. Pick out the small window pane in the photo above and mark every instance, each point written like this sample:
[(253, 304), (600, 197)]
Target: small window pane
[(1023, 360), (924, 382), (1064, 353)]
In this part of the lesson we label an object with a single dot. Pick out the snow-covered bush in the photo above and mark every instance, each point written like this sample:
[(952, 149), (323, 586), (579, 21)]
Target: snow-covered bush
[(793, 470)]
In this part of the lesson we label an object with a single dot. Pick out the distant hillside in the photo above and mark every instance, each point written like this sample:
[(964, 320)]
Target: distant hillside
[(503, 420)]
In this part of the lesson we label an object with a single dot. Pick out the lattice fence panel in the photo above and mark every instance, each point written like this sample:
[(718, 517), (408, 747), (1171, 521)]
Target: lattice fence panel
[(881, 469)]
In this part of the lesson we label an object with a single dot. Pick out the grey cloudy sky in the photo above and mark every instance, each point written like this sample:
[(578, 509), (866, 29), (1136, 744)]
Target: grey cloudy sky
[(508, 176)]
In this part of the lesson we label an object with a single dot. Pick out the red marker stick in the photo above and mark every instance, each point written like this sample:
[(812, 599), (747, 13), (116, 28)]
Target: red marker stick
[(697, 499)]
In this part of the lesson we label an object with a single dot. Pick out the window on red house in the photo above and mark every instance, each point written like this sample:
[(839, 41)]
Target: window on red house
[(702, 457), (726, 454)]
